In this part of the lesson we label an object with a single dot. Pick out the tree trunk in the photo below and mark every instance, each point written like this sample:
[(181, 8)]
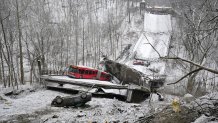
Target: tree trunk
[(128, 10), (20, 45), (0, 72), (7, 58), (83, 44), (40, 70), (2, 76), (76, 34), (29, 59)]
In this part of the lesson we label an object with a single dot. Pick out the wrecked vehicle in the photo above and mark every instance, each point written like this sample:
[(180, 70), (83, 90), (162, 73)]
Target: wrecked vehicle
[(83, 72), (137, 62), (75, 100), (130, 83)]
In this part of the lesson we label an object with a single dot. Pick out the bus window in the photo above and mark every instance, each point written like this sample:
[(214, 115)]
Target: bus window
[(70, 69), (90, 72), (86, 72), (74, 70), (82, 71)]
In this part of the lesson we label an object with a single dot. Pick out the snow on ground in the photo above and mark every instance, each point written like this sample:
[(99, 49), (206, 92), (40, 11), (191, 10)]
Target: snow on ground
[(28, 104), (101, 110), (206, 101), (35, 107), (89, 81), (96, 110), (204, 119)]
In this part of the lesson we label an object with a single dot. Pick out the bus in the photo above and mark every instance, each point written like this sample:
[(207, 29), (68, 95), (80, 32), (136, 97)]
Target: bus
[(82, 72)]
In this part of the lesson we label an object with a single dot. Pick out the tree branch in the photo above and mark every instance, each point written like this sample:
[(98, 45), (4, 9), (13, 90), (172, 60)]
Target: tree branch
[(196, 70), (193, 63), (6, 16), (152, 45)]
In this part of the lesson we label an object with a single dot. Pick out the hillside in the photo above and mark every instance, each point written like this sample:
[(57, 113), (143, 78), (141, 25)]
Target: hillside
[(171, 44)]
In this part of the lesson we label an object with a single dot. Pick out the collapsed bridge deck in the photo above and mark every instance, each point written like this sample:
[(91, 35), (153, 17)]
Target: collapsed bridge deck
[(129, 92)]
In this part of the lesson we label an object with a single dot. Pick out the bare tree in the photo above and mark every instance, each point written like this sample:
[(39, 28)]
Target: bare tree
[(20, 44), (198, 38)]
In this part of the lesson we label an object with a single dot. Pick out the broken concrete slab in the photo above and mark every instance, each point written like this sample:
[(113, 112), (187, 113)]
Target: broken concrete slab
[(109, 89), (123, 73)]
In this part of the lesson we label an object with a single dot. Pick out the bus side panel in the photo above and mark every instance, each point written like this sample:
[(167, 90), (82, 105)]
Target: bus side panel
[(104, 77)]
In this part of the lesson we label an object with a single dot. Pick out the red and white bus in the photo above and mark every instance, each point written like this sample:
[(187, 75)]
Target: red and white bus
[(82, 72)]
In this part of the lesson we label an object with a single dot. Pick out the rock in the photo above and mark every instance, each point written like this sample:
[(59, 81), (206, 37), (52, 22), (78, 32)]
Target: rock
[(188, 98), (136, 105), (117, 121), (81, 115), (32, 90), (2, 99), (6, 108), (8, 93), (120, 110), (203, 119), (55, 116)]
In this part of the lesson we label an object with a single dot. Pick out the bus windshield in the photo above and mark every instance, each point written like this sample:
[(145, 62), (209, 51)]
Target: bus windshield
[(74, 70)]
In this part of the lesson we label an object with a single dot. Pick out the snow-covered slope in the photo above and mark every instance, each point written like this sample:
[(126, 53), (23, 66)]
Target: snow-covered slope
[(150, 46), (154, 23), (155, 39), (153, 43)]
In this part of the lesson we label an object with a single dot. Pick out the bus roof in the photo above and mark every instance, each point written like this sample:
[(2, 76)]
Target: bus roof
[(83, 67)]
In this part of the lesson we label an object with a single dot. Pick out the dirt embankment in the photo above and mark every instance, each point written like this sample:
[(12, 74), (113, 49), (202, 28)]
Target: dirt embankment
[(206, 106)]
